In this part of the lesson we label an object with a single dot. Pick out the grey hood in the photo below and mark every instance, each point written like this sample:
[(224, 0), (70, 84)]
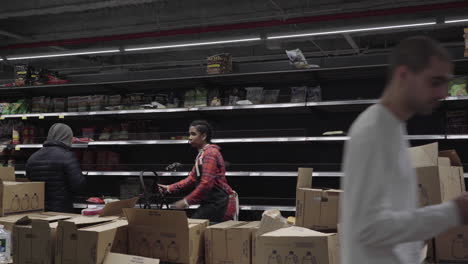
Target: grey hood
[(61, 133)]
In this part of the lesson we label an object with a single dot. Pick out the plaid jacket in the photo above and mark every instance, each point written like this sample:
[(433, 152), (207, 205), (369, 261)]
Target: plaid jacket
[(212, 174)]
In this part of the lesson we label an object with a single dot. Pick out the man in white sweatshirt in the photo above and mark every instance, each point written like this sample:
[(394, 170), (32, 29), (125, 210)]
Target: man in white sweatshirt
[(381, 221)]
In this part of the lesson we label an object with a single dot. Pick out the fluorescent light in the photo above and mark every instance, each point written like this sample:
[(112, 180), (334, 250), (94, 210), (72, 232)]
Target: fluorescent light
[(456, 21), (1, 59), (182, 45), (350, 30), (62, 54)]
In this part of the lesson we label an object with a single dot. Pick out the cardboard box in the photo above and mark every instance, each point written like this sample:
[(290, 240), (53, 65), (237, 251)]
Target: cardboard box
[(33, 237), (452, 246), (440, 175), (17, 197), (162, 234), (76, 238), (9, 221), (115, 258), (297, 245), (96, 241), (229, 242), (315, 208), (116, 208)]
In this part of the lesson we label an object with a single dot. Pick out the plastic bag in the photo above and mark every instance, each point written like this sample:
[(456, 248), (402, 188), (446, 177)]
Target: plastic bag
[(297, 59)]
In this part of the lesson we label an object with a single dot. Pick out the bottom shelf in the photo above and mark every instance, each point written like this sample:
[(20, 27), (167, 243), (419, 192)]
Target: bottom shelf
[(242, 207)]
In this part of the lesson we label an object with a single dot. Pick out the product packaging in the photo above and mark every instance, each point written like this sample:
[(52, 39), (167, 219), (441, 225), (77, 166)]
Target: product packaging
[(315, 208), (17, 197)]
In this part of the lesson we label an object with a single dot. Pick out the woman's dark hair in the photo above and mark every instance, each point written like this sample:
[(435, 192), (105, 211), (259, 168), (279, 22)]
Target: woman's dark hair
[(203, 127)]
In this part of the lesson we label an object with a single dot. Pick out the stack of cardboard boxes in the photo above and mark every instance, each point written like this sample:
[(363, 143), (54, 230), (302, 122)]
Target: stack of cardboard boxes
[(316, 210), (441, 179)]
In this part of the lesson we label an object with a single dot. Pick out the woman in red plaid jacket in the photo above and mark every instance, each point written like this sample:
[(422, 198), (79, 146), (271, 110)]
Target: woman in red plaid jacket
[(218, 202)]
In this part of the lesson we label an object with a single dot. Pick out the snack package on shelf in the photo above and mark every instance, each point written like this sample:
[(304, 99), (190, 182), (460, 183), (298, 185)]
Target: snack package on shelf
[(59, 104), (37, 104), (457, 122), (466, 41), (97, 102), (172, 100), (22, 74), (201, 97), (458, 87), (190, 98), (254, 94), (219, 64), (114, 102), (88, 132), (84, 103), (270, 96), (73, 102), (4, 108), (314, 94), (298, 94)]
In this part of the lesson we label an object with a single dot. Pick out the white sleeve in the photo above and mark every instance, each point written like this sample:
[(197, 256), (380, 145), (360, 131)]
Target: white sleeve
[(366, 170)]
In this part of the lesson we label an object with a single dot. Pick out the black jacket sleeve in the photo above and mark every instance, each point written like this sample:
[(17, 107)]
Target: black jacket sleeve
[(74, 174)]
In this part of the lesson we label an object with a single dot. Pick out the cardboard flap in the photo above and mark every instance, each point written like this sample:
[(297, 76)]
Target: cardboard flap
[(40, 224), (83, 221), (295, 231), (106, 226), (115, 258), (226, 225), (7, 174), (453, 156), (115, 208), (304, 178), (424, 156), (143, 217)]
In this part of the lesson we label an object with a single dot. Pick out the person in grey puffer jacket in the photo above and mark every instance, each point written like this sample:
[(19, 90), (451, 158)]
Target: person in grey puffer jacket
[(56, 165)]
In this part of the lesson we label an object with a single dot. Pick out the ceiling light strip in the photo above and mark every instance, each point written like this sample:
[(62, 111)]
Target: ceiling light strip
[(456, 21), (54, 55), (206, 43), (351, 30)]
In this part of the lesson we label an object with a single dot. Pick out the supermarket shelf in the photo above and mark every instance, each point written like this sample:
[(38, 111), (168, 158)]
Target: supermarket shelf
[(241, 207), (138, 142), (342, 103), (260, 139), (229, 173), (36, 146), (457, 136), (209, 108), (241, 107), (232, 140)]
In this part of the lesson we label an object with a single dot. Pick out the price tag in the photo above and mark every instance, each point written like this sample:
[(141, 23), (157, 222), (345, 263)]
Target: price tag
[(17, 148), (24, 117), (41, 117), (61, 116)]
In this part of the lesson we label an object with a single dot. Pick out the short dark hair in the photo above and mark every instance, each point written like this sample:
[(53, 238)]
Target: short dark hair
[(203, 127), (416, 53)]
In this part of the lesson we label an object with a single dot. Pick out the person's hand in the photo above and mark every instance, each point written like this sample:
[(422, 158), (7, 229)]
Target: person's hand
[(181, 204), (163, 188), (462, 204)]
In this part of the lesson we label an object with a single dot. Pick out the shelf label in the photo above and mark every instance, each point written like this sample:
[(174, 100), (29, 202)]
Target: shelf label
[(2, 118), (41, 117), (17, 148), (61, 116), (24, 117)]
